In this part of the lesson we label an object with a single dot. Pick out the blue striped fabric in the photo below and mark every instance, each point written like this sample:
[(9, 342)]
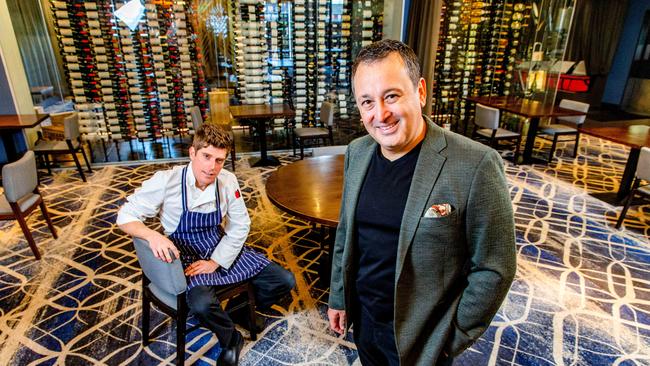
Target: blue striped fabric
[(196, 237)]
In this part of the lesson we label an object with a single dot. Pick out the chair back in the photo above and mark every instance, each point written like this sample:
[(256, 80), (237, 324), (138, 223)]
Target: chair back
[(19, 178), (329, 150), (643, 166), (327, 114), (71, 127), (197, 118), (574, 106), (486, 117), (168, 277), (219, 107)]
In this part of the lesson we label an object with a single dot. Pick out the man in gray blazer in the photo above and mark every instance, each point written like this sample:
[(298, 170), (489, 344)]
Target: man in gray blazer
[(425, 247)]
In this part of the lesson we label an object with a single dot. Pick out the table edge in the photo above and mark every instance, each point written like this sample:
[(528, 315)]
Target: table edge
[(299, 214)]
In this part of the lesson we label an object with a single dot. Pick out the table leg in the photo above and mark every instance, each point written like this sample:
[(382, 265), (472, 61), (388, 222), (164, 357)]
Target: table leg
[(265, 159), (527, 156), (325, 264)]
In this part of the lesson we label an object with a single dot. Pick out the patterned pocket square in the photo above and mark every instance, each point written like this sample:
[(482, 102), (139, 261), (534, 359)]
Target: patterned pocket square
[(441, 210)]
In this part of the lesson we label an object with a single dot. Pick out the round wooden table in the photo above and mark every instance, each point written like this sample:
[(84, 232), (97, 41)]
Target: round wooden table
[(310, 189)]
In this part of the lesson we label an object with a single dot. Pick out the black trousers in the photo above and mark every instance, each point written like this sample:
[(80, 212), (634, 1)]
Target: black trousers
[(375, 341), (270, 285)]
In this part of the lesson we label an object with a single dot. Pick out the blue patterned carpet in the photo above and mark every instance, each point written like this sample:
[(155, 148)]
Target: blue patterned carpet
[(581, 295)]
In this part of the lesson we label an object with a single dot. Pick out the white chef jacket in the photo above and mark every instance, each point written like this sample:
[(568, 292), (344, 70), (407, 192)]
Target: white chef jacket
[(161, 195)]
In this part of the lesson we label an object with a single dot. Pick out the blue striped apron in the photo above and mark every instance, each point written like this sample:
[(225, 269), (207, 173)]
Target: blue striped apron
[(196, 237)]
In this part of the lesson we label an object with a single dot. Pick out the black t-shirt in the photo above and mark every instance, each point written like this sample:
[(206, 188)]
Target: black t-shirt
[(378, 219)]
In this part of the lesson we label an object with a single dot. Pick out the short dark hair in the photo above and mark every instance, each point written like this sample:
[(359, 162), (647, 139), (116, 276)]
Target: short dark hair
[(381, 49), (211, 135)]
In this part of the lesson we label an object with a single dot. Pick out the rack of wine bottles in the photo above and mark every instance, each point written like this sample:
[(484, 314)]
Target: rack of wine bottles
[(141, 83), (300, 52), (478, 47), (127, 83)]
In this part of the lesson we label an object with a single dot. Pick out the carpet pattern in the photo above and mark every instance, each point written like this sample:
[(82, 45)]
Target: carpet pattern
[(581, 294)]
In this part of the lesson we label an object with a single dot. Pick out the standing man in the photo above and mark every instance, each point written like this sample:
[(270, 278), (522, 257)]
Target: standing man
[(425, 247), (206, 224)]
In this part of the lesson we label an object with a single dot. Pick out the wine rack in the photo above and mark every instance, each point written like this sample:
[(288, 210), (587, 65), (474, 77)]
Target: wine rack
[(477, 51), (130, 84), (300, 52), (141, 84)]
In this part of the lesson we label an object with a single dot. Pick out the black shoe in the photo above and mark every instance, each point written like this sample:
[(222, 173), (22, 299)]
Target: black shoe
[(229, 356)]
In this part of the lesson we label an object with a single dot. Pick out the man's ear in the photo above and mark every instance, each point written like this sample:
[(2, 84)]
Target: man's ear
[(192, 152), (422, 92)]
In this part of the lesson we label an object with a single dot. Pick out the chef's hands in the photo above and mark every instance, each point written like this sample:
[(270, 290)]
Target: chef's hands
[(337, 320), (161, 246), (200, 267)]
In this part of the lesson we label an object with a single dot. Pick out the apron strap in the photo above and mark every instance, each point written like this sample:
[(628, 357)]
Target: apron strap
[(183, 189), (184, 192), (216, 190)]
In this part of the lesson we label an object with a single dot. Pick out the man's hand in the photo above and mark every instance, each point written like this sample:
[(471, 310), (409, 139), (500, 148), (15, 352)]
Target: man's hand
[(200, 267), (337, 320), (161, 246)]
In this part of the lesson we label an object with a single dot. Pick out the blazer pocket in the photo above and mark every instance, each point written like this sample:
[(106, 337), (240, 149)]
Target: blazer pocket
[(449, 220)]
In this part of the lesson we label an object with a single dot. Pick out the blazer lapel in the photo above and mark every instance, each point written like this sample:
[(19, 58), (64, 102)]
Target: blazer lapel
[(427, 170), (356, 173)]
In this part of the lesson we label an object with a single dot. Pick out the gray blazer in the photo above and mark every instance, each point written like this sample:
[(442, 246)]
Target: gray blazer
[(452, 273)]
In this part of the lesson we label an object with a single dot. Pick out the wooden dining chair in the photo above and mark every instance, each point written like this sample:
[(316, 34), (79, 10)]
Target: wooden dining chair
[(486, 127), (642, 174), (164, 285), (324, 131), (21, 196), (71, 144), (567, 126)]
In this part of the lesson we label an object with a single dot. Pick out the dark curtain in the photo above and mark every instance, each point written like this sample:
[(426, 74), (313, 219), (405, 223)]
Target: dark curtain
[(34, 43), (595, 31), (422, 33)]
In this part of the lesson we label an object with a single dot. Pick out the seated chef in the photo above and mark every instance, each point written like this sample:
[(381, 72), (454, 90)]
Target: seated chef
[(206, 224)]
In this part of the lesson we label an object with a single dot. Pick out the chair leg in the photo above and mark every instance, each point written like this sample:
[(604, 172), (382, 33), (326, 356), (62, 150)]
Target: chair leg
[(23, 225), (181, 321), (302, 150), (90, 151), (251, 310), (76, 161), (552, 153), (575, 146), (47, 219), (83, 153), (146, 307), (117, 150), (47, 163), (628, 202), (104, 149)]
